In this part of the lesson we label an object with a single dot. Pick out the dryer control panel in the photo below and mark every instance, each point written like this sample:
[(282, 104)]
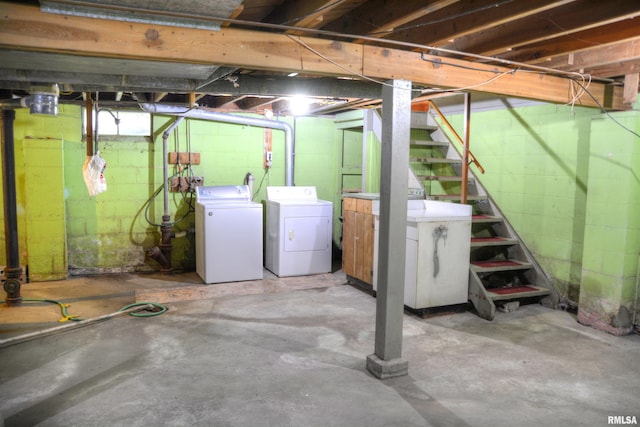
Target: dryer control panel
[(275, 193)]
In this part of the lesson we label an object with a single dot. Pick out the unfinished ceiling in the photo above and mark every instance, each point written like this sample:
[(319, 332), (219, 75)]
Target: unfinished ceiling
[(40, 43)]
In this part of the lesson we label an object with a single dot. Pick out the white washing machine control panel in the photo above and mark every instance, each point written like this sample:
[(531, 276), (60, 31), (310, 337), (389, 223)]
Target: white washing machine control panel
[(223, 193)]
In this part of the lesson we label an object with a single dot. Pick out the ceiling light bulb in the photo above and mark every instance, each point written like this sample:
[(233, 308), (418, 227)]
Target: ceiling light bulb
[(299, 105)]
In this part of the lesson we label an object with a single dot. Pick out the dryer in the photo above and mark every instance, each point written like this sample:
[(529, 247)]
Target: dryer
[(299, 230), (228, 234)]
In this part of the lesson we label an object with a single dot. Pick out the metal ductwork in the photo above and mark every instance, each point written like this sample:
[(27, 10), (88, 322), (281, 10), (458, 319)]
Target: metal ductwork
[(289, 142), (162, 253), (43, 100), (187, 13)]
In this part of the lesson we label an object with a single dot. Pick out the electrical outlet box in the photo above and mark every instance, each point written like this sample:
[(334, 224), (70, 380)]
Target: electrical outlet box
[(184, 184), (195, 181)]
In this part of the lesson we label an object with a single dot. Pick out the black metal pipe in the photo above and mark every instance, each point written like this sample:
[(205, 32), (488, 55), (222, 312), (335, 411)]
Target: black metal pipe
[(13, 270)]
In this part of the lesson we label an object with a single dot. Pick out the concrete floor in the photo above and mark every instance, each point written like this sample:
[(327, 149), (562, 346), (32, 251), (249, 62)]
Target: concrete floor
[(297, 358)]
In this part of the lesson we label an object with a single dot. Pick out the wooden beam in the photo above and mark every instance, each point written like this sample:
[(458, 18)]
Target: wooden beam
[(631, 87), (225, 101), (447, 72), (599, 56), (27, 28), (257, 102)]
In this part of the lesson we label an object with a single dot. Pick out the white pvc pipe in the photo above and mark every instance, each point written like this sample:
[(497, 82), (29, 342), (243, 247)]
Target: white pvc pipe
[(193, 113)]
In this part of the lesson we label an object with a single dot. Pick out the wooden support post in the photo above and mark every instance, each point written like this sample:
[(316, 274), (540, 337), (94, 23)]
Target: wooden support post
[(465, 149), (630, 93), (89, 122)]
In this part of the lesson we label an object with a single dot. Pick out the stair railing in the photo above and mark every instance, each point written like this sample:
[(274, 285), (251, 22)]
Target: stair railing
[(467, 154), (455, 134)]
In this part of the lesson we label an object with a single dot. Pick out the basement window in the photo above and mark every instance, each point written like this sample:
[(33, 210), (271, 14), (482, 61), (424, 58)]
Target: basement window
[(115, 124)]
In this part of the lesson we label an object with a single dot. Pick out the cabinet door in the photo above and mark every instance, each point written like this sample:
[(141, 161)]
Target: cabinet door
[(367, 242), (359, 246), (348, 242)]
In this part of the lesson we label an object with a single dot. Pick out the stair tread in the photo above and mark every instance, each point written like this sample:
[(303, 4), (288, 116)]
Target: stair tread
[(455, 197), (423, 126), (492, 241), (478, 218), (443, 178), (505, 265), (434, 160), (429, 143), (523, 291)]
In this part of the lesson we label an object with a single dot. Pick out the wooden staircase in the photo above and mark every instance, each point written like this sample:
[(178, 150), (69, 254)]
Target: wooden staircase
[(503, 273)]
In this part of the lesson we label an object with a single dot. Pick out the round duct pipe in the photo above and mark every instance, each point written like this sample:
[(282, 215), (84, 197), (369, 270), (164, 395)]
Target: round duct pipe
[(289, 142), (43, 100)]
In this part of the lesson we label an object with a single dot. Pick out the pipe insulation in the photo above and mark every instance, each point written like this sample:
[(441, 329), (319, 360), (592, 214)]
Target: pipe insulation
[(192, 113)]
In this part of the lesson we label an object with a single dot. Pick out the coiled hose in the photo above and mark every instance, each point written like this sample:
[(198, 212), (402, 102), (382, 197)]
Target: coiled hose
[(157, 309)]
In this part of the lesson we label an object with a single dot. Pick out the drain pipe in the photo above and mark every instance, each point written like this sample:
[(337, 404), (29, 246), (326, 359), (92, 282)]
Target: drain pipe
[(162, 253), (192, 113), (13, 270)]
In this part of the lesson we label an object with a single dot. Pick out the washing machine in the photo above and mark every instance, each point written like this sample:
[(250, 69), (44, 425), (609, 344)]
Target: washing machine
[(228, 234), (298, 237)]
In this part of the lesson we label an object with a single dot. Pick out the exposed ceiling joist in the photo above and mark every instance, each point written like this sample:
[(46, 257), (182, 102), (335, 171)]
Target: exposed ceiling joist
[(600, 56), (544, 52), (307, 14), (448, 24), (27, 28), (314, 87), (570, 18)]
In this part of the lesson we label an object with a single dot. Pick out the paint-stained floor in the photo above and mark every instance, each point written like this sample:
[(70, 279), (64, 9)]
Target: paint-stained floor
[(296, 357)]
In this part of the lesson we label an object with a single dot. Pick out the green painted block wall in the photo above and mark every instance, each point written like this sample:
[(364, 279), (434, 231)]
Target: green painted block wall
[(45, 211), (612, 232), (109, 232), (38, 144), (537, 164)]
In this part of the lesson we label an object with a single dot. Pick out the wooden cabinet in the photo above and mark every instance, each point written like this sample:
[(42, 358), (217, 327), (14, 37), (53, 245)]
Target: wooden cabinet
[(358, 239)]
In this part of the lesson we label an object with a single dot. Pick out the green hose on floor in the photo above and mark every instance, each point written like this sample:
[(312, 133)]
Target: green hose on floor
[(65, 315), (148, 313)]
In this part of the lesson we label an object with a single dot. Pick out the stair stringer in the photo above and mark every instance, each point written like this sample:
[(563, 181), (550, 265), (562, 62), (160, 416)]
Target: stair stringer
[(536, 274), (478, 296)]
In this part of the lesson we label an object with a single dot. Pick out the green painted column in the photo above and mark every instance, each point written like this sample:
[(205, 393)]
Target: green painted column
[(608, 291), (45, 209)]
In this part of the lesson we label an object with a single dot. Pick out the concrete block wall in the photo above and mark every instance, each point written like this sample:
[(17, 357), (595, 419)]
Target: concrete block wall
[(38, 144), (536, 161), (109, 232), (608, 295)]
